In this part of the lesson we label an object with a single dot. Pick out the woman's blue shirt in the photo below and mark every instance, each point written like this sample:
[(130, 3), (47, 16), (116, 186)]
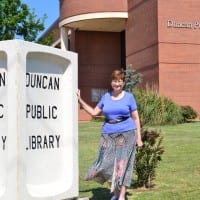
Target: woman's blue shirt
[(115, 109)]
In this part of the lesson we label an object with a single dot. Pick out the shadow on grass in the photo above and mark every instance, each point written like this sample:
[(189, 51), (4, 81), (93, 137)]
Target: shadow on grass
[(134, 185), (99, 193), (102, 194)]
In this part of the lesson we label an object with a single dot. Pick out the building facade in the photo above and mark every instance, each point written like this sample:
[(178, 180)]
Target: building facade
[(159, 38)]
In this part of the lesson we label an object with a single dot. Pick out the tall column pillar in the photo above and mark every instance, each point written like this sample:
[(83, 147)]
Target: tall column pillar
[(64, 38)]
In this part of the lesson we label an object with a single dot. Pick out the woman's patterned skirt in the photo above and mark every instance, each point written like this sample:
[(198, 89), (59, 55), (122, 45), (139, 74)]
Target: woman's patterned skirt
[(115, 160)]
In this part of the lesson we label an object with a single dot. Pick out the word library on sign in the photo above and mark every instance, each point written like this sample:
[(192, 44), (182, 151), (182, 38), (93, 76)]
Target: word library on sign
[(3, 142), (50, 141)]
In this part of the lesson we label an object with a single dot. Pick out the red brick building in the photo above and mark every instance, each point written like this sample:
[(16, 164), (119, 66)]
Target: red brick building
[(161, 39)]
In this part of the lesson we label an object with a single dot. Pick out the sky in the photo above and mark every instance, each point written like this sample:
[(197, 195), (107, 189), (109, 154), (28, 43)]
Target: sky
[(48, 7)]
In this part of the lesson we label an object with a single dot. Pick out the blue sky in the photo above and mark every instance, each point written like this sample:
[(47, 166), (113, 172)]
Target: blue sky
[(48, 7)]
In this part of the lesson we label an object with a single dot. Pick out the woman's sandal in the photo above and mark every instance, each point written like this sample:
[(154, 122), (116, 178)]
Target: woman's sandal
[(114, 197)]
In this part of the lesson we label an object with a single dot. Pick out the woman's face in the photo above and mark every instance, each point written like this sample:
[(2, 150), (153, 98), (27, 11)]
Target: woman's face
[(117, 85)]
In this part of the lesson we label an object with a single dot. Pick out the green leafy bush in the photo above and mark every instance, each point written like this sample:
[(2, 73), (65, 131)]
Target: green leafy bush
[(155, 109), (188, 113), (147, 158), (131, 78)]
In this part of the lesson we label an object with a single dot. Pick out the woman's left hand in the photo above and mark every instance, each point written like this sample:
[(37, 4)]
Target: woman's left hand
[(139, 143)]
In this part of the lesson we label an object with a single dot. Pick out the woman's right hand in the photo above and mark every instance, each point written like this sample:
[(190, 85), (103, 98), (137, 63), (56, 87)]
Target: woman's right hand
[(78, 93), (92, 111)]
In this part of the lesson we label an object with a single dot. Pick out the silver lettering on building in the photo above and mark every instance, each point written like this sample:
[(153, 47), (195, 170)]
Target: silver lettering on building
[(174, 24), (196, 25)]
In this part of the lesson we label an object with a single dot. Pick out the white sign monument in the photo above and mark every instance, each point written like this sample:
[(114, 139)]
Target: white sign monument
[(38, 122)]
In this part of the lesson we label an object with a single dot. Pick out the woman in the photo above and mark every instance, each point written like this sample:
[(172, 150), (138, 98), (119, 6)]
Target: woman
[(119, 137)]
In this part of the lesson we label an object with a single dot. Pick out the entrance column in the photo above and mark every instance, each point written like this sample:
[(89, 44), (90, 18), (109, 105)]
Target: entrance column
[(64, 38)]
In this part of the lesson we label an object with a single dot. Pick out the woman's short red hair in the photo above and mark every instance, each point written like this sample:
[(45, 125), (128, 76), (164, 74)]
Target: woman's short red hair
[(118, 75)]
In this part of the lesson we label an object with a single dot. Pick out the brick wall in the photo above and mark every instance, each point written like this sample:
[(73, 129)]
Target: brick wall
[(99, 53), (163, 43), (142, 39), (179, 50), (69, 8)]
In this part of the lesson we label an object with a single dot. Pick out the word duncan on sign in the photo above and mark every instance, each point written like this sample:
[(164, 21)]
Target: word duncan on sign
[(42, 81)]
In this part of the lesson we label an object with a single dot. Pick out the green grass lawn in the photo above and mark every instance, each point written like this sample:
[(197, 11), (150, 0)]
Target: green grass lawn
[(177, 175)]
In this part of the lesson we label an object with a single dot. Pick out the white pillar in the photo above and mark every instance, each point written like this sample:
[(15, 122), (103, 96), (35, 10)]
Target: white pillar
[(64, 38)]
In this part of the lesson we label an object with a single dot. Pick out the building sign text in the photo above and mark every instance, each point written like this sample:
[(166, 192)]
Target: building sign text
[(183, 25)]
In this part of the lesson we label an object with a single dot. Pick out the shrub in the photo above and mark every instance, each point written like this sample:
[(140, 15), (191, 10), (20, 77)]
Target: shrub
[(188, 113), (173, 112), (131, 78), (155, 109), (147, 157)]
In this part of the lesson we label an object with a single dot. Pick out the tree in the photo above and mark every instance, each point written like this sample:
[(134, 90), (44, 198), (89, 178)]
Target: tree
[(17, 20), (131, 78), (47, 39)]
